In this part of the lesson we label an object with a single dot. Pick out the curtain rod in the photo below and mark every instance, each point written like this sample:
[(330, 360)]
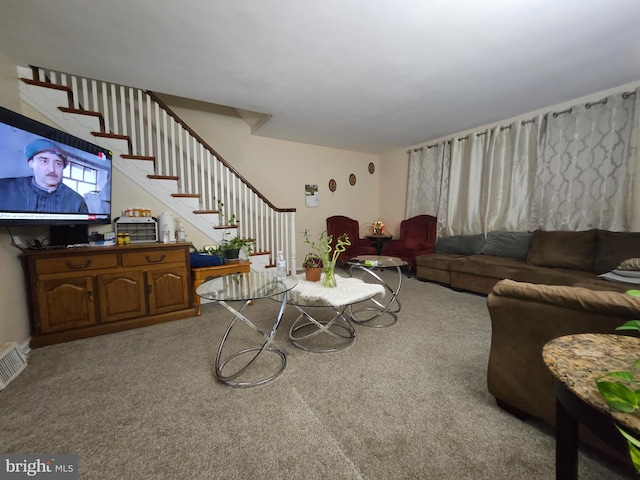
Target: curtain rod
[(587, 105)]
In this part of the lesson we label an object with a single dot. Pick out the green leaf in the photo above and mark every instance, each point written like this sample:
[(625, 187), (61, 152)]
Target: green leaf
[(635, 293), (630, 438), (622, 375), (618, 396), (630, 325), (633, 444)]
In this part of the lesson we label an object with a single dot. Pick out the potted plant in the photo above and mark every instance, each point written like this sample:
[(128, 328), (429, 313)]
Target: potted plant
[(231, 247), (312, 267)]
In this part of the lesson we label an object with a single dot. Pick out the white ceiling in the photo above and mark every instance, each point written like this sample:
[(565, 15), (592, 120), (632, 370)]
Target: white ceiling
[(362, 75)]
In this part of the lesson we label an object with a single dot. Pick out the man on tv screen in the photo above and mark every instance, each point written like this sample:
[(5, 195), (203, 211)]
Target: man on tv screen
[(43, 191)]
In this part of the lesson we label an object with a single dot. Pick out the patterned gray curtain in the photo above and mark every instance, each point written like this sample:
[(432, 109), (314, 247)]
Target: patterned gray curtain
[(584, 176), (428, 182), (570, 170)]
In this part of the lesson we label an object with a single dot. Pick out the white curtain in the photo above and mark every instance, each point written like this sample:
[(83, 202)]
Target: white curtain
[(492, 179), (510, 175), (571, 170), (585, 167), (465, 212)]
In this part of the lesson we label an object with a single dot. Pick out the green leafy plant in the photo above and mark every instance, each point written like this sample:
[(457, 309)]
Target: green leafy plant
[(621, 391), (328, 253), (236, 243), (312, 260)]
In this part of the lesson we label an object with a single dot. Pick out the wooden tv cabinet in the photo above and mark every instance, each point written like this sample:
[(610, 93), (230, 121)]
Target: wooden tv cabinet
[(87, 291)]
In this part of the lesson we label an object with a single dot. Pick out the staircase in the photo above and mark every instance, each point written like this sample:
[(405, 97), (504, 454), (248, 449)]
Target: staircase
[(158, 151)]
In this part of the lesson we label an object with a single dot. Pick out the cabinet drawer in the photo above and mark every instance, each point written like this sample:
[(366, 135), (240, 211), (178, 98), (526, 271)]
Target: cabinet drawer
[(153, 257), (75, 263)]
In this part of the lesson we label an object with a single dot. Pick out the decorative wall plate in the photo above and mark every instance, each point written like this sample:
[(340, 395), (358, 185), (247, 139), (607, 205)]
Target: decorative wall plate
[(372, 167), (332, 185), (352, 179)]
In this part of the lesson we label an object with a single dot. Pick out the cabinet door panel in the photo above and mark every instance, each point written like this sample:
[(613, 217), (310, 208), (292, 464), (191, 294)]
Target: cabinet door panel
[(121, 295), (168, 289), (66, 303)]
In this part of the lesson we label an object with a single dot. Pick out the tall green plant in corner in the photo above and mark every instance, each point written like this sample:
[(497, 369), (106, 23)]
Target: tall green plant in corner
[(621, 391)]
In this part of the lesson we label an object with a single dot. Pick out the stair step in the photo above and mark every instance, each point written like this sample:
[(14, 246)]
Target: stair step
[(185, 195), (223, 227), (53, 86), (88, 113), (114, 136), (202, 212), (163, 177), (138, 157)]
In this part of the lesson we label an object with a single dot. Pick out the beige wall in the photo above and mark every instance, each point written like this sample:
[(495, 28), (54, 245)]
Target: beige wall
[(14, 325), (280, 169), (395, 164)]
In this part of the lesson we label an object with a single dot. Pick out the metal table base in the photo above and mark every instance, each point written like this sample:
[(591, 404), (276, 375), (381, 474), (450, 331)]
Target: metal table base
[(379, 315), (306, 329)]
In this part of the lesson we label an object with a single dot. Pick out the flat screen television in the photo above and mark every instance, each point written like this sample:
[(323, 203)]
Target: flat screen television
[(50, 177)]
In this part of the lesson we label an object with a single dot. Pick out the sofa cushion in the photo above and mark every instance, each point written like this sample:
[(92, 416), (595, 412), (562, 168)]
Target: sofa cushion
[(485, 265), (507, 244), (577, 298), (461, 244), (492, 266), (563, 249), (439, 261), (613, 248)]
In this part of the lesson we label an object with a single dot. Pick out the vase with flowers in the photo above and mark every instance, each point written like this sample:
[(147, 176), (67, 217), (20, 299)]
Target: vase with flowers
[(377, 228), (328, 253)]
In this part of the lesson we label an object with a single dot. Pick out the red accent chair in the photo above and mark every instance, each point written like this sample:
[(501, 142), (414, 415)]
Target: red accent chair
[(417, 237), (339, 224)]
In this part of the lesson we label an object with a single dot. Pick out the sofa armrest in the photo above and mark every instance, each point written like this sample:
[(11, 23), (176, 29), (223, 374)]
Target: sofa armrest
[(574, 298), (524, 317)]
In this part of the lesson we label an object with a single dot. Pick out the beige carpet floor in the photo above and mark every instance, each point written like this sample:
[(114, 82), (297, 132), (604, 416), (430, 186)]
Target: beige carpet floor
[(406, 402)]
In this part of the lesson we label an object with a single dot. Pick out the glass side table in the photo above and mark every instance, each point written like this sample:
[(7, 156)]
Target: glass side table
[(234, 368), (375, 316)]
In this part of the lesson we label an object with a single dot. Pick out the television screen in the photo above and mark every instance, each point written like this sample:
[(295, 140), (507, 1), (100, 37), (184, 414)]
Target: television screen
[(49, 177)]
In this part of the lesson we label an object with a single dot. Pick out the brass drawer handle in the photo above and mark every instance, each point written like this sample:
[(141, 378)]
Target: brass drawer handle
[(78, 267), (150, 260)]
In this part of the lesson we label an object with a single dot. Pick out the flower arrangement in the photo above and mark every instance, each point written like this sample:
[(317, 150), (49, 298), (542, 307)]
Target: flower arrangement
[(328, 254), (378, 227)]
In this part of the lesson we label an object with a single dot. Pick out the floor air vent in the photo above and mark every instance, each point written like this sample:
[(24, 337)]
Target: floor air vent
[(12, 362)]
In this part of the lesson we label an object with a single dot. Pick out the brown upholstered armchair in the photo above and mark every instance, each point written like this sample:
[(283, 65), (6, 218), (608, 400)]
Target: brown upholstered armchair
[(339, 224), (417, 237)]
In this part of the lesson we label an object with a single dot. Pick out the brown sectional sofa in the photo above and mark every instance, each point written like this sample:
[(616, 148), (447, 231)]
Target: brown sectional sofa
[(474, 264), (545, 289), (524, 317)]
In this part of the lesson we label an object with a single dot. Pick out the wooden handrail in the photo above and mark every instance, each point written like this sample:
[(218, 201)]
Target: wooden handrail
[(171, 113)]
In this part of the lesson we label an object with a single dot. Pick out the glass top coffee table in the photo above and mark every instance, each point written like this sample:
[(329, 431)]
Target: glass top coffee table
[(233, 368), (314, 330), (380, 314)]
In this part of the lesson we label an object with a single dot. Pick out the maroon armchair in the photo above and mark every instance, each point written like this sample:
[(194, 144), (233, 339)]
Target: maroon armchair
[(339, 224), (417, 237)]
